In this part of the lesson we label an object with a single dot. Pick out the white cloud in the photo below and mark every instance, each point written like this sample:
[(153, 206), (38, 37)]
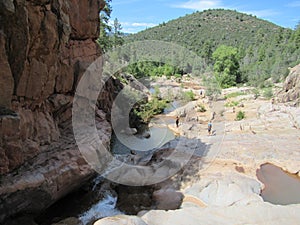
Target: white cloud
[(263, 13), (143, 24), (199, 4), (294, 4), (135, 26)]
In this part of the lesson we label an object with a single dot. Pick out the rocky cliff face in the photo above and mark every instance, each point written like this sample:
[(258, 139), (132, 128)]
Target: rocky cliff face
[(291, 87), (45, 46)]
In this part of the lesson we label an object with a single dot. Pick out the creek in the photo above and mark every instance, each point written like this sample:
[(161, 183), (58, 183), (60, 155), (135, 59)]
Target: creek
[(94, 200)]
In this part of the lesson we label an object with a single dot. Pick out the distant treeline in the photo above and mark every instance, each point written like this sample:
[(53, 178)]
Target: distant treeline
[(259, 51)]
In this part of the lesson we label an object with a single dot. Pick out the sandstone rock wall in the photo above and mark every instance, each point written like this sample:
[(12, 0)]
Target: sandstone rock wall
[(45, 46), (291, 87)]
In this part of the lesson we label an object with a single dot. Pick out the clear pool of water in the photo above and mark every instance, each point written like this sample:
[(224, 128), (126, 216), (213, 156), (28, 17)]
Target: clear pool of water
[(158, 137), (281, 188)]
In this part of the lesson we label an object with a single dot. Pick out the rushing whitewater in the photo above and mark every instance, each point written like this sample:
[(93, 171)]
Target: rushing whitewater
[(104, 208)]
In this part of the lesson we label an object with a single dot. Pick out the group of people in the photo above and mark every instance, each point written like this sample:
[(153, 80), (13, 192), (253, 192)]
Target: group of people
[(209, 125)]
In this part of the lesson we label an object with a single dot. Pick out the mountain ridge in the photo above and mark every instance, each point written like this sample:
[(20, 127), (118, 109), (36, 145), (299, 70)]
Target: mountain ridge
[(264, 47)]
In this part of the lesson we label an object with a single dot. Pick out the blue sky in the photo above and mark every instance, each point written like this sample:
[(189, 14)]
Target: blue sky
[(136, 15)]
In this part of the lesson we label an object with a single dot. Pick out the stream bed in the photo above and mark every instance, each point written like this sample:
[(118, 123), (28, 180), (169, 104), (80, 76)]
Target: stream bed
[(97, 199)]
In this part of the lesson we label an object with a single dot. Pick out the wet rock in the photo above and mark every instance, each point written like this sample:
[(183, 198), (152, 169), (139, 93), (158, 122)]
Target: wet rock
[(131, 200)]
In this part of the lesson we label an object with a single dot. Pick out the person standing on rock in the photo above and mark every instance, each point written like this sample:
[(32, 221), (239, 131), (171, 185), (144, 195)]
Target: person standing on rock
[(209, 128), (177, 121), (272, 104)]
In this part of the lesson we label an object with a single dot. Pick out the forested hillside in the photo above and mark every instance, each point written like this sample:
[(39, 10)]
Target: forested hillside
[(264, 50)]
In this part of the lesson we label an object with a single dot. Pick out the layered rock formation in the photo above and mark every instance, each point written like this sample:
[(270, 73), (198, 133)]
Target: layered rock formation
[(221, 185), (45, 47), (291, 87)]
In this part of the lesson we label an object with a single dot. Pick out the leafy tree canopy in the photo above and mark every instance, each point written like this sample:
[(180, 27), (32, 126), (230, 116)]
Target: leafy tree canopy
[(226, 67)]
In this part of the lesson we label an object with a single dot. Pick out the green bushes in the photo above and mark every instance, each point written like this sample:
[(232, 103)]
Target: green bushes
[(240, 116), (152, 69), (145, 111)]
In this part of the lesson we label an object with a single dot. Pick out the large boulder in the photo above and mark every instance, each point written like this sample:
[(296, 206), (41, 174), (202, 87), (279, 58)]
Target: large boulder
[(291, 88)]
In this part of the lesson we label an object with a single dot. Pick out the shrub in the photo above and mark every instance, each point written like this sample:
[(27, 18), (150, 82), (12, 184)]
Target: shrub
[(188, 96), (268, 93), (213, 90), (231, 104), (146, 111), (256, 93), (201, 108), (240, 115)]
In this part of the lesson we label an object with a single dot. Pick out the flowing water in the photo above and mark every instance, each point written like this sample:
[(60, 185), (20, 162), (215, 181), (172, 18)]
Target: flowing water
[(281, 188), (105, 208), (99, 203), (173, 105)]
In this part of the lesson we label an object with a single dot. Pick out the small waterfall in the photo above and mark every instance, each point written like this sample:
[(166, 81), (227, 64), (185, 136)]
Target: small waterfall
[(104, 208)]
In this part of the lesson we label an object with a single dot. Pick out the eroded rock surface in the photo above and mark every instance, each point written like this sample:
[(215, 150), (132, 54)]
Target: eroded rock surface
[(220, 186), (45, 47)]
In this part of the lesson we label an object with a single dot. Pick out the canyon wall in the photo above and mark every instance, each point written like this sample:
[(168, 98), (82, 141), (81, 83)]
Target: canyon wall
[(45, 47)]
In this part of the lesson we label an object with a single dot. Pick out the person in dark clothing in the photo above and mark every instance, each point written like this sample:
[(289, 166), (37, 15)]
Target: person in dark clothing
[(177, 121)]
